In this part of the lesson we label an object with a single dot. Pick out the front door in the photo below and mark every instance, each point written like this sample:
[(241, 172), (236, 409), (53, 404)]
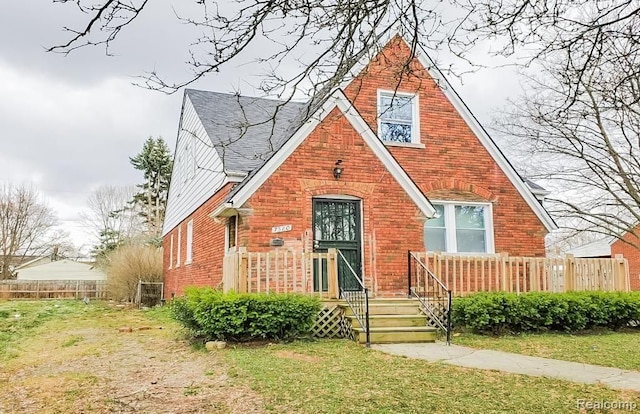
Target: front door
[(336, 224)]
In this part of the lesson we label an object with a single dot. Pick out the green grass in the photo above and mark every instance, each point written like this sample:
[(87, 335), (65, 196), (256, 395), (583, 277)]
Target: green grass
[(72, 340), (159, 315), (606, 348), (336, 376), (331, 376), (19, 320)]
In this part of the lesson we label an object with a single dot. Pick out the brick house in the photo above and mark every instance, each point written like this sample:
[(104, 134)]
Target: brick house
[(389, 162)]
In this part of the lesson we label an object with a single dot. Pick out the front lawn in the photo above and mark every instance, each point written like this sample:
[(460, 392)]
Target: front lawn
[(64, 356), (606, 348), (337, 376)]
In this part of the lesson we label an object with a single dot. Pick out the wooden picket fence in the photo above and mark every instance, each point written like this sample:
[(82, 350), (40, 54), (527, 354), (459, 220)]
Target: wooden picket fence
[(281, 271), (465, 274), (53, 289), (287, 271)]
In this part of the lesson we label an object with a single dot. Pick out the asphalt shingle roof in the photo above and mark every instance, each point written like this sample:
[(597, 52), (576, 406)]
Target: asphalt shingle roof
[(246, 131)]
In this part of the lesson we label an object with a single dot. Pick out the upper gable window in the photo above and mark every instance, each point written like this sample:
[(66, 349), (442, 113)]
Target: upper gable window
[(398, 117)]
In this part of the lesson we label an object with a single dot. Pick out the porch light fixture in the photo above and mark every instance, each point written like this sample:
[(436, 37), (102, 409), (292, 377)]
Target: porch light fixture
[(337, 170)]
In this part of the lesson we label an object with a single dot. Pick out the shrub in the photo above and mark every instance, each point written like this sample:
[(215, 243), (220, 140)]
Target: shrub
[(210, 314), (127, 265), (499, 312)]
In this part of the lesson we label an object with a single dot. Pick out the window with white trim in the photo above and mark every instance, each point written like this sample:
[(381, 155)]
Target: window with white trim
[(460, 228), (398, 117), (232, 233), (171, 252), (179, 246), (189, 242)]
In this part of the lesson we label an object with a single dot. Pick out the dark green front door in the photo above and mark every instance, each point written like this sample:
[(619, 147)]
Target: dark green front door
[(336, 224)]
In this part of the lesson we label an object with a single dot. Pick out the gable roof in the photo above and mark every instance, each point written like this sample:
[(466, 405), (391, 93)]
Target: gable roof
[(245, 131), (336, 100), (527, 193), (532, 196), (36, 261), (490, 145), (224, 115)]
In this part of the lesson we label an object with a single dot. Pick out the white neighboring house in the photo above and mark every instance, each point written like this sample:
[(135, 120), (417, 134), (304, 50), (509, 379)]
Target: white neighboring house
[(595, 249), (44, 269)]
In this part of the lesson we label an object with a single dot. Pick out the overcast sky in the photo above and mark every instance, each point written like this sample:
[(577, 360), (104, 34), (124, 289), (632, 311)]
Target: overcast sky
[(70, 123)]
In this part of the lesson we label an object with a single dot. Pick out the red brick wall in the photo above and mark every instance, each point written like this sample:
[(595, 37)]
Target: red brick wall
[(391, 221), (453, 165), (205, 268), (632, 254)]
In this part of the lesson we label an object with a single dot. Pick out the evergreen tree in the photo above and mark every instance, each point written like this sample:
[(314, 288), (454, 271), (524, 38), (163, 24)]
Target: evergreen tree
[(155, 162)]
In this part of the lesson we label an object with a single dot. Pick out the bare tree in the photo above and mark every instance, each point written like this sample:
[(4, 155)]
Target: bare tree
[(583, 115), (579, 120), (26, 224), (323, 39), (110, 218), (586, 33), (581, 125)]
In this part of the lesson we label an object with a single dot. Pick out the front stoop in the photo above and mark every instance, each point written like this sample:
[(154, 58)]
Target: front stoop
[(392, 321)]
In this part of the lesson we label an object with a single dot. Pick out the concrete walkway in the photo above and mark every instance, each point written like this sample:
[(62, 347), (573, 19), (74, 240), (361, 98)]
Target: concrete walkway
[(516, 363)]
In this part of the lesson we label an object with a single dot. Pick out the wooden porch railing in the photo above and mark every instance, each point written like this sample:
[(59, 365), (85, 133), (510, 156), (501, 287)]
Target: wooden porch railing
[(281, 271), (468, 274)]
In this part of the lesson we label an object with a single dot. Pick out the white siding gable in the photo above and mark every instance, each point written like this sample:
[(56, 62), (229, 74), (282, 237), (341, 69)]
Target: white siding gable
[(197, 169)]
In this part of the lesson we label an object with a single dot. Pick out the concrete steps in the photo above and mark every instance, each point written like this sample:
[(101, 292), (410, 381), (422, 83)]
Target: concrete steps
[(392, 320)]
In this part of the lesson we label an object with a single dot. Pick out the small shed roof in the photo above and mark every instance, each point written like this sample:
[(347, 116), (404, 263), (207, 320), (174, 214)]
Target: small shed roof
[(61, 270), (598, 248)]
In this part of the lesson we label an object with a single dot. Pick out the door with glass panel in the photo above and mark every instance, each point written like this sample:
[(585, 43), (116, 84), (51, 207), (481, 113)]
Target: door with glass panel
[(336, 224)]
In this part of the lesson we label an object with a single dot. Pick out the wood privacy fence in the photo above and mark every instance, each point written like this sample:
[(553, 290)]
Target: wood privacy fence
[(468, 274), (281, 271), (52, 289)]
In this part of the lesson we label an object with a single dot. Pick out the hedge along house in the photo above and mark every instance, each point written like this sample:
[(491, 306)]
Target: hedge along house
[(389, 162)]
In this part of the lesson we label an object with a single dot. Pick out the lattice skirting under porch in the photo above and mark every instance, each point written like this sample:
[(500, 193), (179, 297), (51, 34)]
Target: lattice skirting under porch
[(331, 323), (430, 320)]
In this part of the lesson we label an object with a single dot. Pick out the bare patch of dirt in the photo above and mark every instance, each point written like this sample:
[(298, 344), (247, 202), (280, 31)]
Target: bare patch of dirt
[(297, 356), (106, 371)]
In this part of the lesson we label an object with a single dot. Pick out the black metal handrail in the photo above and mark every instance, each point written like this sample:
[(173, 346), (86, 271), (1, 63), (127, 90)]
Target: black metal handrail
[(357, 298), (434, 296)]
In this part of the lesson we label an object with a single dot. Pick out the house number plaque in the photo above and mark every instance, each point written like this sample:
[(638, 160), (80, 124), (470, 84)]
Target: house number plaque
[(281, 229)]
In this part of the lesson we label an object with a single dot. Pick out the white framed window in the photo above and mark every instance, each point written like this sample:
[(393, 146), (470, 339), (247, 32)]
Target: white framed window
[(189, 257), (171, 252), (231, 234), (398, 117), (179, 246), (460, 228)]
